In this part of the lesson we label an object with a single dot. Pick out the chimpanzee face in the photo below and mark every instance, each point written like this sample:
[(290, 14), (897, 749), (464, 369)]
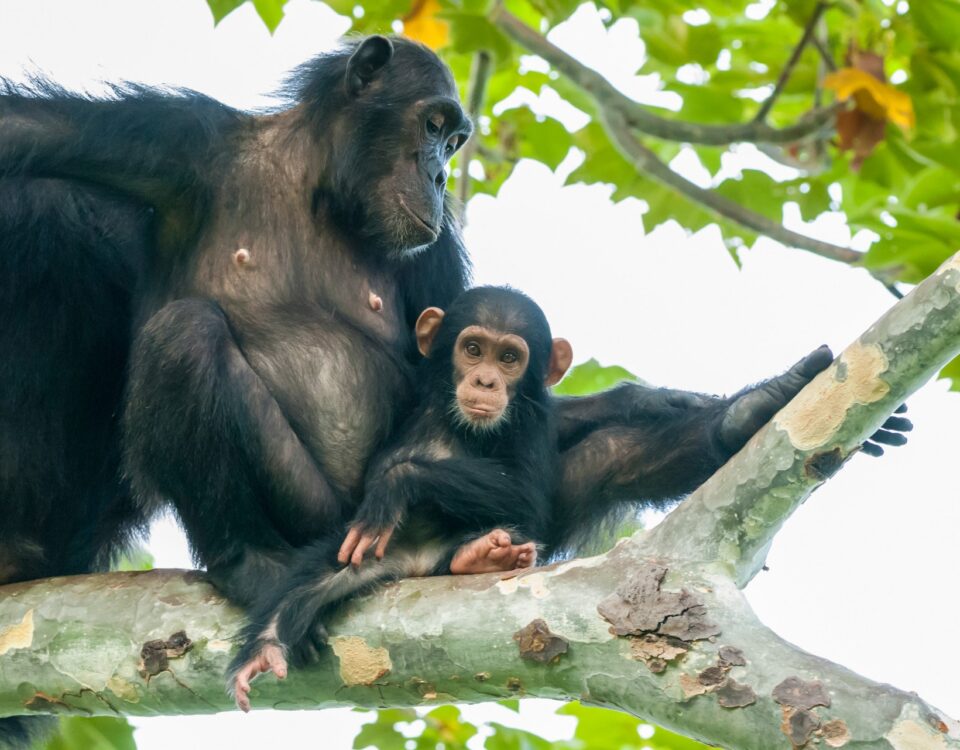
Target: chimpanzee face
[(488, 366), (402, 125)]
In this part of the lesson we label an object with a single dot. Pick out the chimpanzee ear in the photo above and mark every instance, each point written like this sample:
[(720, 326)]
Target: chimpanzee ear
[(367, 60), (561, 357), (426, 328)]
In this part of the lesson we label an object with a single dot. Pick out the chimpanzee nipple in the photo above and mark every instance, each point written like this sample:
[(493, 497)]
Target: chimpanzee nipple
[(376, 302), (241, 257)]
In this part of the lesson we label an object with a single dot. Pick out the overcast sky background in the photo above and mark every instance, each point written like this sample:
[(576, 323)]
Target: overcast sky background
[(865, 568)]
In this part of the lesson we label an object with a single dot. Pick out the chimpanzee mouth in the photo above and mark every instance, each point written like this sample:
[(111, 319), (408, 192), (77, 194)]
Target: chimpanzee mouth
[(420, 220)]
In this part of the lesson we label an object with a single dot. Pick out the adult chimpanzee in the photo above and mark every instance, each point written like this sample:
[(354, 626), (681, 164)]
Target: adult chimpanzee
[(478, 452), (284, 259)]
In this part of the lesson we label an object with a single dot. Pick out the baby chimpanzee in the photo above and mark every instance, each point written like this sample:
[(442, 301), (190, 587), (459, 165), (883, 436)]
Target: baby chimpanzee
[(467, 484)]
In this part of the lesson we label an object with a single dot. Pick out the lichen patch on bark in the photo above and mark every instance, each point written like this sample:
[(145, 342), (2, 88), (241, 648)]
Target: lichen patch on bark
[(360, 664), (835, 733), (19, 635), (537, 643), (123, 689), (908, 734), (817, 412)]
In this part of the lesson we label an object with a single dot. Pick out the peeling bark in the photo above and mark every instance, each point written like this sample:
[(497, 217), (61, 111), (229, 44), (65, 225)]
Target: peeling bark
[(657, 627)]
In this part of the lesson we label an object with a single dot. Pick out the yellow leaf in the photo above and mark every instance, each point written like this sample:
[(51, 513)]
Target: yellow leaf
[(422, 24), (873, 97)]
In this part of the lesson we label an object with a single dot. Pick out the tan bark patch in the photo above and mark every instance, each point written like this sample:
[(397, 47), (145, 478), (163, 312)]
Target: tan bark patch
[(17, 636), (815, 415), (951, 263), (360, 664), (912, 735), (691, 686), (123, 689), (835, 733)]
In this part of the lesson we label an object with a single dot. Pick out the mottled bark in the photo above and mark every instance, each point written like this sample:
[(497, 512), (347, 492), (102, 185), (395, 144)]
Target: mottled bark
[(657, 627)]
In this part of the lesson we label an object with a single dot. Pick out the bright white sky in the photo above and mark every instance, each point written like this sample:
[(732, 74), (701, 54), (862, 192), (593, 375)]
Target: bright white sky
[(854, 574)]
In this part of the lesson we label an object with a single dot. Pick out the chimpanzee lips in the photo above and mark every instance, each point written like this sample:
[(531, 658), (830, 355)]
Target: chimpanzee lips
[(419, 219)]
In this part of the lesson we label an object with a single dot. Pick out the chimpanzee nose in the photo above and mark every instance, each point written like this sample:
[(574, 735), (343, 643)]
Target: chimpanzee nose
[(440, 180), (485, 381)]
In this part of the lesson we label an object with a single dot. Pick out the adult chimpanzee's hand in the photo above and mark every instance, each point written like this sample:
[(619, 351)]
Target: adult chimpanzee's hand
[(753, 408)]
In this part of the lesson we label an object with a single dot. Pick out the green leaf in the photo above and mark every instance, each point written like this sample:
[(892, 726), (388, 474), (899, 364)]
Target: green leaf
[(137, 558), (938, 20), (591, 377), (223, 8), (951, 372), (512, 703), (92, 733), (270, 12)]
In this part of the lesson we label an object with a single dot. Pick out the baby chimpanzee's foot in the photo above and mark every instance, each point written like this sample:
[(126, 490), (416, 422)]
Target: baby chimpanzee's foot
[(491, 553), (269, 658)]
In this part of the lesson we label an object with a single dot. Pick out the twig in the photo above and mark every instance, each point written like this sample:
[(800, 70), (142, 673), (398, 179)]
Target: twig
[(649, 163), (476, 93), (808, 34), (637, 116)]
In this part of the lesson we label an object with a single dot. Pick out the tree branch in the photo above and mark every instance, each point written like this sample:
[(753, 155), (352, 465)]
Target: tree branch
[(639, 117), (808, 34), (734, 516), (646, 161), (476, 93), (656, 627)]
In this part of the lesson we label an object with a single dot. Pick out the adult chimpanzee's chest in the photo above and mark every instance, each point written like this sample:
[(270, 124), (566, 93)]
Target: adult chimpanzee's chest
[(322, 328)]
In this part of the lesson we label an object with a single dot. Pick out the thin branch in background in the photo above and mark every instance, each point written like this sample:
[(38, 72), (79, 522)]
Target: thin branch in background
[(647, 162), (639, 117), (808, 34), (620, 120), (476, 94)]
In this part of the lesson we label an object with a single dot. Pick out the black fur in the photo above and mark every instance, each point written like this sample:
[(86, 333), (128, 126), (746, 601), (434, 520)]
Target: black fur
[(444, 483), (235, 369)]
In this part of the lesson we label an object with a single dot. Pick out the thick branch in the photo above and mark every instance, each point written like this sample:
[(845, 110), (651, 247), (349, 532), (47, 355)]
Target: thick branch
[(92, 645), (639, 117), (734, 516), (676, 643)]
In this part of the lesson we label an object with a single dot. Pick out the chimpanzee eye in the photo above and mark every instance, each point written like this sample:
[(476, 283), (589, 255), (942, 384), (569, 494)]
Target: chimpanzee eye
[(434, 124), (509, 358), (472, 348)]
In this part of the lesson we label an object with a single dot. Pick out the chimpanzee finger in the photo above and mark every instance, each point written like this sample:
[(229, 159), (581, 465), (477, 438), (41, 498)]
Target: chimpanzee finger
[(888, 438), (898, 424), (366, 541), (872, 449), (816, 361), (900, 409), (349, 544), (384, 541)]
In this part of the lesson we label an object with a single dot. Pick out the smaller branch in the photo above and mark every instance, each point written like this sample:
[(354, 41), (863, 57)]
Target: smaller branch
[(476, 94), (637, 116), (732, 518), (648, 162), (818, 44), (808, 34)]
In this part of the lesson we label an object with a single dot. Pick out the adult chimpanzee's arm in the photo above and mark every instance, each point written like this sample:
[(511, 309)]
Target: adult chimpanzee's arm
[(654, 445), (146, 143), (204, 431)]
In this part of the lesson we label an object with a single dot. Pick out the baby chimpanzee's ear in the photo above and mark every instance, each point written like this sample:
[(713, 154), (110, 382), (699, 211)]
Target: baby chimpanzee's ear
[(561, 356), (426, 328)]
